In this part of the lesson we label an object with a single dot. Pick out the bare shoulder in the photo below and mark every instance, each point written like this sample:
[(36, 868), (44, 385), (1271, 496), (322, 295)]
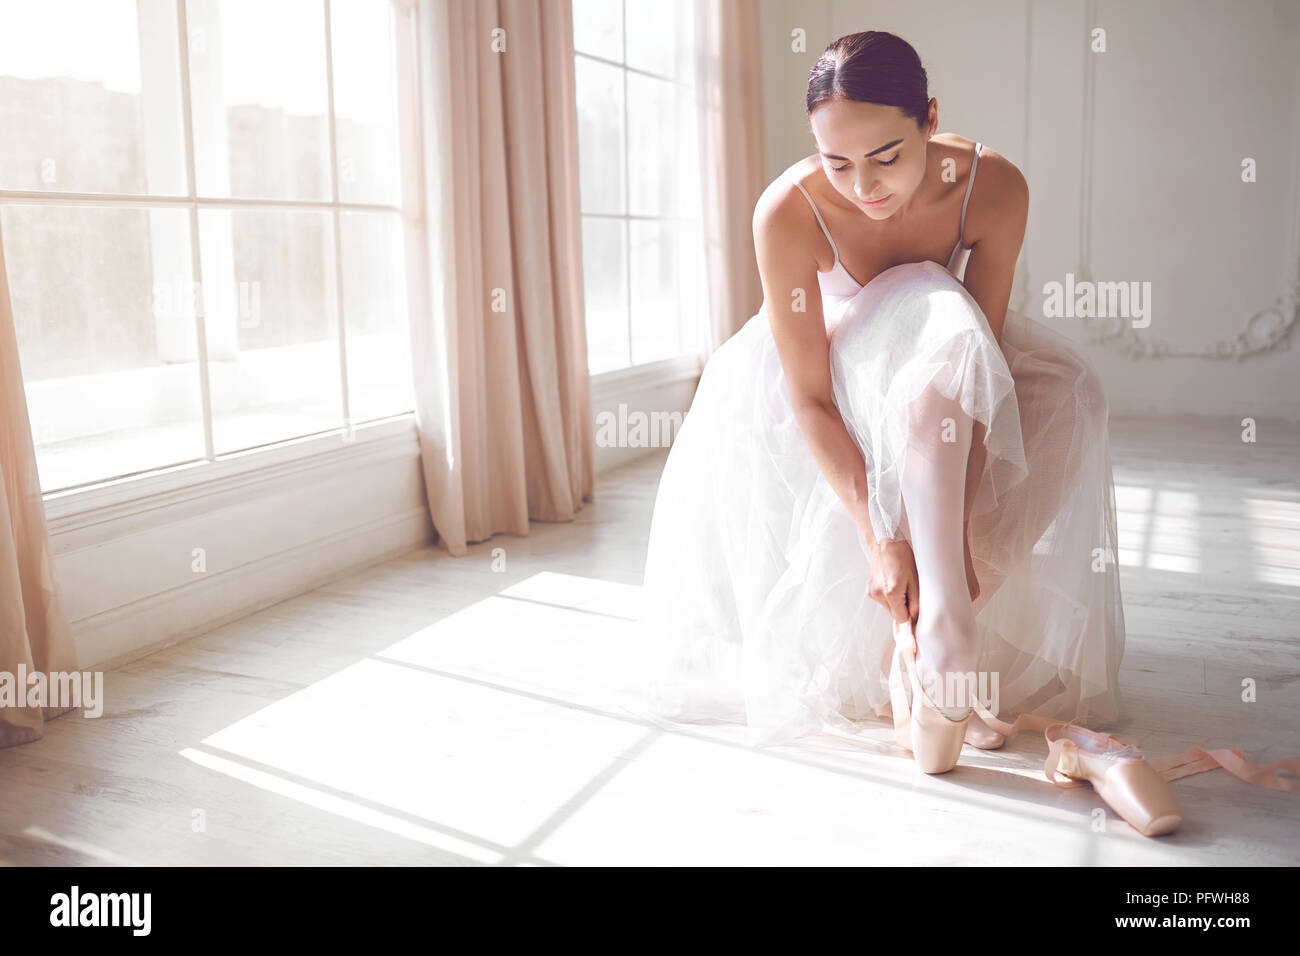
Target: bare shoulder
[(996, 171), (999, 199), (783, 221), (778, 197)]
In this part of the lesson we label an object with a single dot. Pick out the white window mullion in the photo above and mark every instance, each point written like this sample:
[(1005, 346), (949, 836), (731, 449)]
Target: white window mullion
[(337, 217), (627, 197), (196, 263)]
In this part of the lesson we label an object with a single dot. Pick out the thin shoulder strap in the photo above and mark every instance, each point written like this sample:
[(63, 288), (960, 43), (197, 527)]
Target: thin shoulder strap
[(961, 230), (820, 221)]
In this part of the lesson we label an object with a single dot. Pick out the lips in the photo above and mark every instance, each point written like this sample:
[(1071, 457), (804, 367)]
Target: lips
[(875, 202)]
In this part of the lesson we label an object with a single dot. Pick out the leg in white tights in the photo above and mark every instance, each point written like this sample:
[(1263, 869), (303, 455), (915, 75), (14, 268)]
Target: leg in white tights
[(934, 488)]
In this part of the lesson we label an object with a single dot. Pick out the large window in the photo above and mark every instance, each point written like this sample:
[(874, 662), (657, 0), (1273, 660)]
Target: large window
[(639, 174), (201, 209)]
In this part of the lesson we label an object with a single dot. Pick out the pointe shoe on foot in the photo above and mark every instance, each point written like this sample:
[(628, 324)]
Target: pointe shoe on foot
[(1120, 774), (932, 736), (983, 737), (1133, 786)]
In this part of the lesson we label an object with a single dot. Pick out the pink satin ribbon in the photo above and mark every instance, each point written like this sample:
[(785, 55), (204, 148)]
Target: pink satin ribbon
[(1192, 761)]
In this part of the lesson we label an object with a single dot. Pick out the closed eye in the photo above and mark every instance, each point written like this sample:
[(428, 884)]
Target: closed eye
[(882, 162)]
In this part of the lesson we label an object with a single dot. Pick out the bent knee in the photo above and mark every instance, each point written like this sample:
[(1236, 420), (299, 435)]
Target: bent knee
[(907, 275)]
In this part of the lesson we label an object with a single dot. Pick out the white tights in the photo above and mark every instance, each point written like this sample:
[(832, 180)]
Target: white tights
[(934, 485)]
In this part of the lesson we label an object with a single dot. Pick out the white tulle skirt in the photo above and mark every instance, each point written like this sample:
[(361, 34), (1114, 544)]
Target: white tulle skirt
[(754, 605)]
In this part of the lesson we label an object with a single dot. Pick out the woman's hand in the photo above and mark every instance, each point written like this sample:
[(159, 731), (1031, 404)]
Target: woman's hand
[(893, 580)]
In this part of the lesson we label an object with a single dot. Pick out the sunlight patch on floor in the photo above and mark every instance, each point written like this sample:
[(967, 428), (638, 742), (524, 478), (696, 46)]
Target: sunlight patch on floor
[(493, 735)]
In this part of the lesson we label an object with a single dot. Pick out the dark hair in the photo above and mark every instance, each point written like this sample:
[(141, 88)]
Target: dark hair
[(871, 67)]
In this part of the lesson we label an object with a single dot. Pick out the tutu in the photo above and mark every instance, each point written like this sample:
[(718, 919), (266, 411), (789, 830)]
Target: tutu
[(754, 606)]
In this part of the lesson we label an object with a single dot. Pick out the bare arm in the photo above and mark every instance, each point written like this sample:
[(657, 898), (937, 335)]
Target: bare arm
[(995, 227), (792, 300)]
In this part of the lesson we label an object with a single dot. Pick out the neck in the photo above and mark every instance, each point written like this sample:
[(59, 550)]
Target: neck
[(897, 220)]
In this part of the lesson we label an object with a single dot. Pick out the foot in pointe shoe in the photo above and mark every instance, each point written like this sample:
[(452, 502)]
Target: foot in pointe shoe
[(982, 736), (1120, 774), (933, 737)]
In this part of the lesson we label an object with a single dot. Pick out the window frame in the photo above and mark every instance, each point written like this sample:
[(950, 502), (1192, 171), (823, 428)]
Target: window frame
[(687, 362), (115, 490)]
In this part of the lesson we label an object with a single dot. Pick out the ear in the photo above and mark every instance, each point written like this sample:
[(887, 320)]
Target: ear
[(934, 116)]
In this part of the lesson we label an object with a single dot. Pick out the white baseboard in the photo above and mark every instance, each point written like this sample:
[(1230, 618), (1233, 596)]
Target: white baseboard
[(271, 524), (146, 563), (662, 388), (151, 624)]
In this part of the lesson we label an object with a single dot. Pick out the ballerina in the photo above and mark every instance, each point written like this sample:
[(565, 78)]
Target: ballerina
[(885, 442)]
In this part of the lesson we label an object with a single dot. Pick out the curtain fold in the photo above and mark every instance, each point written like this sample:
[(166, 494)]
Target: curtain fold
[(34, 631), (730, 98), (499, 346)]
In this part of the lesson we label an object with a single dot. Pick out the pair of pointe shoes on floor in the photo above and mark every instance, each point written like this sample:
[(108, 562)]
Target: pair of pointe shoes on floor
[(1133, 786)]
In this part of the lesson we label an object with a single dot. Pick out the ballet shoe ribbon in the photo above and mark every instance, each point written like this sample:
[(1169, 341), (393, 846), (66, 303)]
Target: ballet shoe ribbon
[(904, 644), (905, 637), (899, 706), (1192, 761), (905, 648), (1062, 753), (1060, 750), (1198, 760)]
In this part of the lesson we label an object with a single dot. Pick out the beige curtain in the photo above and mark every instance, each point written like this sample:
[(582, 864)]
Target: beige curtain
[(729, 75), (34, 634), (498, 337)]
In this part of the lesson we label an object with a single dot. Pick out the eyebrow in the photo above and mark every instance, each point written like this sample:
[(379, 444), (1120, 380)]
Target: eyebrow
[(878, 149)]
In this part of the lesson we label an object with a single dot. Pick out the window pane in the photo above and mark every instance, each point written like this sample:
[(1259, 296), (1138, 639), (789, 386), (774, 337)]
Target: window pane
[(652, 145), (272, 325), (598, 28), (365, 101), (600, 136), (604, 268), (685, 162), (80, 110), (259, 94), (652, 43), (374, 297), (692, 289), (654, 291), (103, 308)]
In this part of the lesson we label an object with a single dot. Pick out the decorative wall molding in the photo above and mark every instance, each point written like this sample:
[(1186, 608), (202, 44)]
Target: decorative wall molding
[(1267, 329)]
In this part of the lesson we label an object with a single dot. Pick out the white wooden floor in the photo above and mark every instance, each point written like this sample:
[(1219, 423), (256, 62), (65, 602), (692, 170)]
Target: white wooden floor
[(434, 710)]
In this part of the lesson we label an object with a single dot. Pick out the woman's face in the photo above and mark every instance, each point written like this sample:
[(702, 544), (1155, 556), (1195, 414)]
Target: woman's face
[(872, 152)]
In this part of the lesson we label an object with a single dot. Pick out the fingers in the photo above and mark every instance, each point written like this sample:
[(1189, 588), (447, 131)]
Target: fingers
[(903, 607), (893, 596), (899, 611), (896, 601), (914, 588), (903, 600), (893, 584)]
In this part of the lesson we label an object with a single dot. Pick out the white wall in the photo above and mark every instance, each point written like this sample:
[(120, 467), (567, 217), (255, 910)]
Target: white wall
[(146, 562), (1134, 153), (150, 561)]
